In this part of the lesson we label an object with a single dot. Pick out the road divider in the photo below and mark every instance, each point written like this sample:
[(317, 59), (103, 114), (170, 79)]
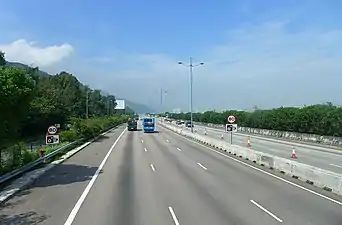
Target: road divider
[(325, 179)]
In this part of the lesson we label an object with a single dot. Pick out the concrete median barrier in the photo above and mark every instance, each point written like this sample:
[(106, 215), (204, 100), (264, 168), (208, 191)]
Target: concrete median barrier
[(325, 179)]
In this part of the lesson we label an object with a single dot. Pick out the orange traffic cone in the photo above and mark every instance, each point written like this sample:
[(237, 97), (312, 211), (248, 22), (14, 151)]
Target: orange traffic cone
[(294, 156), (249, 142), (222, 137)]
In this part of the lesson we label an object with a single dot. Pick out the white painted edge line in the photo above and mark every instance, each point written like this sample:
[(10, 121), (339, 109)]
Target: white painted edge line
[(175, 220), (145, 149), (80, 201), (179, 149), (266, 211), (336, 165), (265, 172), (152, 167), (203, 167)]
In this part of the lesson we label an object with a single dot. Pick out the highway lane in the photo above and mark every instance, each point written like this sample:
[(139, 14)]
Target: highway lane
[(51, 198), (306, 154), (228, 181), (164, 179)]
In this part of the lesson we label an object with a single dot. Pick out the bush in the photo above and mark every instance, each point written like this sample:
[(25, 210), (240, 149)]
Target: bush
[(92, 127), (68, 135), (19, 155)]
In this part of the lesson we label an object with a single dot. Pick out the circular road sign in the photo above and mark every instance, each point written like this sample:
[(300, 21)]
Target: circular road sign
[(231, 119), (52, 130)]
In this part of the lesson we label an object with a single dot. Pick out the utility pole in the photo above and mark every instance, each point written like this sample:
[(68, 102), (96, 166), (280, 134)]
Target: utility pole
[(108, 106), (87, 105), (161, 100), (191, 66)]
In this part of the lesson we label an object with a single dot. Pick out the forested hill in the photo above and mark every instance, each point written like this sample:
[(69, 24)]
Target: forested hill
[(136, 107)]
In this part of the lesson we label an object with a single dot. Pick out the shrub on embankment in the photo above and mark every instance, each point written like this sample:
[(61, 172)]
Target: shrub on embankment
[(322, 119), (20, 154)]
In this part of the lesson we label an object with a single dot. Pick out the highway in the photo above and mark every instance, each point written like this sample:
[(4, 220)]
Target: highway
[(134, 178), (312, 155)]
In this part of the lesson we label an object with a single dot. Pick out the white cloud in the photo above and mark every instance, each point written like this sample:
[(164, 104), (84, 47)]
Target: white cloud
[(29, 53)]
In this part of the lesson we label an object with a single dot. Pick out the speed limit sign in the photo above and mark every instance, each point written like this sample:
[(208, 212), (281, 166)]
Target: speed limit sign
[(52, 130), (231, 119)]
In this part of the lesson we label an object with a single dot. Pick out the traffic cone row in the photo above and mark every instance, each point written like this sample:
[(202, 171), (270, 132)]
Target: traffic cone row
[(249, 142), (294, 155)]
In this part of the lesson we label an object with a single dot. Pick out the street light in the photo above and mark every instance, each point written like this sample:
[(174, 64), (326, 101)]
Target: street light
[(163, 93), (191, 66)]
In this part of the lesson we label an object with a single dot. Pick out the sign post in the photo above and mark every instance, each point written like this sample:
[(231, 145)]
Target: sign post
[(52, 136), (231, 126)]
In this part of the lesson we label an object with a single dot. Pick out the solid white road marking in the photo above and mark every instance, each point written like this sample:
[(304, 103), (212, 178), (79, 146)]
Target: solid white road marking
[(175, 220), (153, 168), (336, 165), (179, 149), (265, 172), (266, 211), (80, 201), (202, 166)]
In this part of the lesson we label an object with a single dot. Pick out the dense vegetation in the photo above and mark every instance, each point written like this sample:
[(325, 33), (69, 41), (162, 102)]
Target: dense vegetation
[(30, 102), (323, 119)]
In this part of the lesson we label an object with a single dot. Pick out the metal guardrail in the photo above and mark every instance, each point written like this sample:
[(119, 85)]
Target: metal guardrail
[(35, 163), (41, 160)]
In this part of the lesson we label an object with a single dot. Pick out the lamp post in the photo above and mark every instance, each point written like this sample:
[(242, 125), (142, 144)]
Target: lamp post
[(163, 93), (191, 66)]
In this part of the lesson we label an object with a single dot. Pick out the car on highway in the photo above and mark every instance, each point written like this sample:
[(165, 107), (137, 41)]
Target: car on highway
[(188, 124), (132, 124)]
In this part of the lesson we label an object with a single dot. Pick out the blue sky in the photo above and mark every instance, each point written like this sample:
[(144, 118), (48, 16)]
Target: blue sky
[(267, 53)]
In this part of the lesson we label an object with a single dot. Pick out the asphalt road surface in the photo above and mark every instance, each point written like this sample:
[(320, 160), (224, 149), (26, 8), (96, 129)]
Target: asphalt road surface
[(163, 179), (312, 155)]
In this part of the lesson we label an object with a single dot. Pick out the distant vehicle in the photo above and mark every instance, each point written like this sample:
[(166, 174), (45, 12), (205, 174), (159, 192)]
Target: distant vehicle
[(149, 125), (132, 124), (179, 122), (188, 124)]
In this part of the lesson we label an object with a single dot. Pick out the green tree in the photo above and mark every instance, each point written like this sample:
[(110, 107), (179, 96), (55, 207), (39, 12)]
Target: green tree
[(2, 58), (16, 92)]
